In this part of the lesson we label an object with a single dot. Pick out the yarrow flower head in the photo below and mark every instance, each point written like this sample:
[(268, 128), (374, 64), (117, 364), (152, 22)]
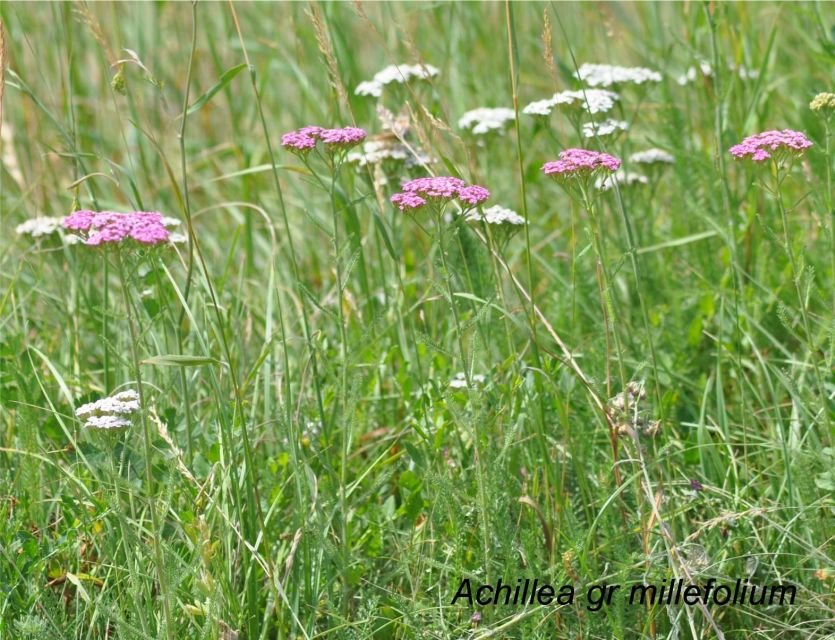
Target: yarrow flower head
[(652, 156), (485, 120), (44, 226), (496, 215), (113, 412), (605, 75), (375, 152), (604, 128), (761, 146), (420, 191), (823, 103), (580, 163), (591, 101), (108, 227), (460, 380), (621, 178), (692, 73), (304, 140), (397, 73)]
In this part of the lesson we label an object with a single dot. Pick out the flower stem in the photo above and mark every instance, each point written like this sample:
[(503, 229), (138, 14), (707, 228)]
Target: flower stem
[(146, 431)]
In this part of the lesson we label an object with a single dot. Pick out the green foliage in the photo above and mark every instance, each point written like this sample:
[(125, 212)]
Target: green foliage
[(319, 454)]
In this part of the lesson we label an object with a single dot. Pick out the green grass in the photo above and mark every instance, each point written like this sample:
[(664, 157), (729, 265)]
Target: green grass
[(301, 467)]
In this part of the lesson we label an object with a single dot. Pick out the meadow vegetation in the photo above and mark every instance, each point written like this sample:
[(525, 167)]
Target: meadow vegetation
[(315, 397)]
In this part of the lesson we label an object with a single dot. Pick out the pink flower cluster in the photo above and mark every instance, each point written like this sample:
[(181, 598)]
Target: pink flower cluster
[(759, 146), (304, 139), (108, 227), (580, 162), (419, 191)]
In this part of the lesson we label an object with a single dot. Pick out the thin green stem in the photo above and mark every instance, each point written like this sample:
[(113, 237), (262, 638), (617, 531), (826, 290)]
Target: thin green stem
[(149, 457)]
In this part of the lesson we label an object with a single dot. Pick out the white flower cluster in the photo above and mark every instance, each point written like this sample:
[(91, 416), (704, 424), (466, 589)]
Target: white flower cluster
[(378, 151), (113, 412), (400, 73), (693, 73), (605, 75), (603, 128), (485, 119), (460, 380), (45, 226), (172, 223), (744, 72), (621, 178), (706, 70), (496, 215), (591, 100), (652, 156)]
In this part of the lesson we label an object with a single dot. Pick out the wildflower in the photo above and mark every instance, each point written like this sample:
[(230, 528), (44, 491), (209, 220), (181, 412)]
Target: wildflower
[(296, 141), (378, 151), (460, 380), (621, 178), (304, 139), (692, 73), (591, 101), (109, 413), (37, 227), (369, 88), (651, 156), (580, 163), (743, 72), (484, 120), (604, 75), (401, 74), (760, 147), (696, 485), (496, 215), (604, 128), (108, 227), (439, 189), (407, 201), (435, 187), (344, 137), (627, 413), (539, 107), (473, 195), (823, 103)]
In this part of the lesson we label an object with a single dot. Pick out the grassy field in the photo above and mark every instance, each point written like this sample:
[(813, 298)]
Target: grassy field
[(344, 410)]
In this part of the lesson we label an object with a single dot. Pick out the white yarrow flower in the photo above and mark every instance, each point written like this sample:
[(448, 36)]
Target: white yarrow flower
[(605, 75), (375, 152), (692, 73), (37, 227), (590, 100), (400, 73), (604, 128), (652, 156), (539, 107), (112, 412), (485, 119), (460, 380), (621, 178), (369, 88), (496, 215)]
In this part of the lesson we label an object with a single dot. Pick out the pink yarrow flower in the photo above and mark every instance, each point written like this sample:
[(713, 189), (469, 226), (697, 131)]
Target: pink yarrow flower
[(579, 163), (416, 193), (305, 139), (407, 201), (108, 227), (760, 146)]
